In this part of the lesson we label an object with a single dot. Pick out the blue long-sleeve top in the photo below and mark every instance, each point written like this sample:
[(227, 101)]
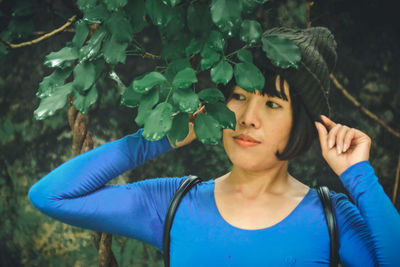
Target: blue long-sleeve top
[(76, 193)]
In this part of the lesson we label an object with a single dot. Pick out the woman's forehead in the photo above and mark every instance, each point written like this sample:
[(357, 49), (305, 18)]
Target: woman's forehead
[(274, 87)]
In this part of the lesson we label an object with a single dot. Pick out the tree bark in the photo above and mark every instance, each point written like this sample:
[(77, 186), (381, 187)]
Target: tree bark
[(82, 142)]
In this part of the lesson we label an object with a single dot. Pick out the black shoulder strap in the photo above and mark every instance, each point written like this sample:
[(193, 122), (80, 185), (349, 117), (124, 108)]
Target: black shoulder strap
[(325, 197), (185, 186)]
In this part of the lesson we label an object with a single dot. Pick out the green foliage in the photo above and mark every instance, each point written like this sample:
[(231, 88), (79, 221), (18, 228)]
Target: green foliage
[(147, 82), (281, 51), (179, 129), (159, 122), (207, 129), (248, 76), (188, 29), (211, 95), (250, 31), (222, 72), (244, 55)]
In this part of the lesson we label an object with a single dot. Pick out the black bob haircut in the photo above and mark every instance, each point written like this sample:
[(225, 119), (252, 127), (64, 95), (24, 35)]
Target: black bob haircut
[(303, 132)]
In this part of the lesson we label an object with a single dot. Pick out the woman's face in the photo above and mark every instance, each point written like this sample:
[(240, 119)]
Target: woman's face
[(266, 119)]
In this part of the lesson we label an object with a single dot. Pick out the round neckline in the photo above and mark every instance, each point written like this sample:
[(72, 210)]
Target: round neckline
[(280, 223)]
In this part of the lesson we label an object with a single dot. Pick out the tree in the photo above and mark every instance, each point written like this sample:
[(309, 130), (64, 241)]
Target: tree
[(194, 46)]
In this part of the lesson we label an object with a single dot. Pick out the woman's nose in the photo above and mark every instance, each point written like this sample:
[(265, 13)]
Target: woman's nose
[(249, 116)]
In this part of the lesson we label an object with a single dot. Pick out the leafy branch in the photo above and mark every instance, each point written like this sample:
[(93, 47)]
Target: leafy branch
[(43, 37)]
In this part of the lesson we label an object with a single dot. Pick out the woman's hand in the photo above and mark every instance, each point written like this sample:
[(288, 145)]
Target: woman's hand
[(191, 135), (342, 146)]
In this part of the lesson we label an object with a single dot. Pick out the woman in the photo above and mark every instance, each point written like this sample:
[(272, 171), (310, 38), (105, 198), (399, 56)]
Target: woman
[(257, 214)]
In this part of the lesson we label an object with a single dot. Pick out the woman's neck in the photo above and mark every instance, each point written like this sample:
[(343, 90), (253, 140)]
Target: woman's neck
[(253, 184)]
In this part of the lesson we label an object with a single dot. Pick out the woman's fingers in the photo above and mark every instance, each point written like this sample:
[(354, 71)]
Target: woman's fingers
[(348, 139), (332, 135), (330, 124), (340, 138), (201, 109), (338, 135), (323, 136)]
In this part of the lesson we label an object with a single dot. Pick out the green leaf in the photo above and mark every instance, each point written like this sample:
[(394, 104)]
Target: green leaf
[(245, 55), (194, 47), (222, 72), (179, 129), (147, 102), (147, 82), (130, 98), (173, 50), (207, 129), (216, 41), (49, 83), (171, 3), (84, 76), (159, 122), (208, 58), (86, 4), (113, 5), (81, 33), (62, 58), (136, 12), (184, 78), (175, 28), (50, 104), (113, 51), (83, 102), (226, 14), (211, 95), (199, 19), (175, 66), (98, 66), (248, 76), (96, 15), (187, 100), (90, 51), (250, 31), (120, 27), (159, 13), (249, 5), (282, 52), (222, 114)]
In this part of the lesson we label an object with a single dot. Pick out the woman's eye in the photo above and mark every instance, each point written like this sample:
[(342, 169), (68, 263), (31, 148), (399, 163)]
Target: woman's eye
[(273, 104), (237, 96)]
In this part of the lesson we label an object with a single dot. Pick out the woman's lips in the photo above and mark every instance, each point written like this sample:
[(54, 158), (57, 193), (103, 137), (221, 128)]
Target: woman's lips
[(245, 140)]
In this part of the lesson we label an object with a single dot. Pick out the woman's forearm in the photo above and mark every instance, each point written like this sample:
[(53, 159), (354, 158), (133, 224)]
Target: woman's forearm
[(90, 171), (382, 218)]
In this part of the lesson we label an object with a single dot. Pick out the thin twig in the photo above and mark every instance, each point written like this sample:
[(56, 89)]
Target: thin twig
[(151, 56), (396, 182), (48, 35), (362, 108), (43, 32)]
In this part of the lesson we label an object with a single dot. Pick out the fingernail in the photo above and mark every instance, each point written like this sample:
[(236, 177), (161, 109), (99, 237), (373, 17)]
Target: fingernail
[(344, 148), (330, 144), (338, 150)]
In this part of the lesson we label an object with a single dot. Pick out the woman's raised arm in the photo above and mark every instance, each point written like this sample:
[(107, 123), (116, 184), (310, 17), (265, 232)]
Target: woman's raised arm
[(346, 151), (75, 192)]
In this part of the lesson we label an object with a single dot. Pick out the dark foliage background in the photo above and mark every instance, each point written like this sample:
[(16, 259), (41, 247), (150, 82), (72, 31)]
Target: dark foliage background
[(367, 33)]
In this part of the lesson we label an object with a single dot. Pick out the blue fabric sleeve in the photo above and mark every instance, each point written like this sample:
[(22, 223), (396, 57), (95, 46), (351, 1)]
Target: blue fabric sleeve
[(374, 216), (75, 192)]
